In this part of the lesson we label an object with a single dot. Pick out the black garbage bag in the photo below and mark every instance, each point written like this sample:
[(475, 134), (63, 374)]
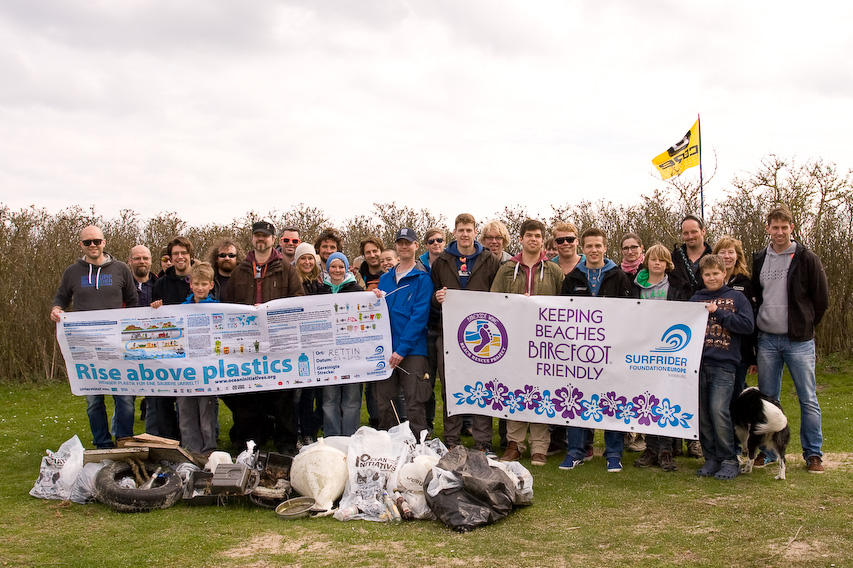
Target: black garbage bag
[(470, 492)]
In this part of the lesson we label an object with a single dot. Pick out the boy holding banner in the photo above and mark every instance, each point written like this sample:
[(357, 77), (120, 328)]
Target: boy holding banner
[(532, 274), (729, 317), (598, 277)]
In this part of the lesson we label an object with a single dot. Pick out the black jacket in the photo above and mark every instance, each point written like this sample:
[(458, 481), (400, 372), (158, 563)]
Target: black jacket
[(614, 284), (808, 291), (683, 267)]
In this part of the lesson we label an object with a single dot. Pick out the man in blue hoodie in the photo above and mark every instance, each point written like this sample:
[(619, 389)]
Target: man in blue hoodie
[(599, 277), (408, 290), (464, 265)]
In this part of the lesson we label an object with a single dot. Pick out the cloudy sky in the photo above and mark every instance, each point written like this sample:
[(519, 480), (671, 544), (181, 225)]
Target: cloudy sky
[(211, 108)]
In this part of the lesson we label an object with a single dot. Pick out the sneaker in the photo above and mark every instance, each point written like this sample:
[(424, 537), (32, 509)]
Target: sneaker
[(694, 449), (760, 460), (554, 449), (589, 454), (570, 463), (647, 459), (538, 459), (666, 461), (728, 471), (486, 449), (614, 464), (814, 464), (709, 469), (511, 454)]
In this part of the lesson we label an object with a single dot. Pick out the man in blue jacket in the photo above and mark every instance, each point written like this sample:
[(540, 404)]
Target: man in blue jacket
[(408, 290)]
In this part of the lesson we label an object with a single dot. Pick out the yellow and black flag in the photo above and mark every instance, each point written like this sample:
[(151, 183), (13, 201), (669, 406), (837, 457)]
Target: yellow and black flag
[(682, 155)]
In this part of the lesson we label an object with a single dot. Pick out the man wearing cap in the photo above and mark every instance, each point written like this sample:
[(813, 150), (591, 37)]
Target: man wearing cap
[(98, 282), (263, 276), (408, 291)]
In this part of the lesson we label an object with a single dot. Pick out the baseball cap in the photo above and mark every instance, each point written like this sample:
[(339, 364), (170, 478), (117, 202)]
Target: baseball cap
[(263, 227), (406, 233)]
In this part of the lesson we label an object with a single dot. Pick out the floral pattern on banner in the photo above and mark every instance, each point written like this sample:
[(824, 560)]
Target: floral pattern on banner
[(569, 402)]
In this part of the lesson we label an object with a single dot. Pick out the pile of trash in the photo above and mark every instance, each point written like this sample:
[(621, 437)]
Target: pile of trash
[(372, 475)]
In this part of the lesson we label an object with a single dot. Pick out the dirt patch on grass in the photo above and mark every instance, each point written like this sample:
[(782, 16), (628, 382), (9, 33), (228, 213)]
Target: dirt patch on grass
[(840, 461), (272, 543)]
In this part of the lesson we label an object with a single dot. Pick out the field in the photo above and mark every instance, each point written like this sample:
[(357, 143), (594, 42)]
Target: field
[(587, 517)]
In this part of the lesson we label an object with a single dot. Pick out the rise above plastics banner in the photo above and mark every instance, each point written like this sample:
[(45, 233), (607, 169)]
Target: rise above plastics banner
[(606, 363), (210, 349)]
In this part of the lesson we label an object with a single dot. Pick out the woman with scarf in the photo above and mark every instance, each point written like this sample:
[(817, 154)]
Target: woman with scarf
[(632, 255)]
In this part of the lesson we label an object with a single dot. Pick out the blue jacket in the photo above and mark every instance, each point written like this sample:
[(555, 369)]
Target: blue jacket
[(409, 307), (732, 319), (211, 299)]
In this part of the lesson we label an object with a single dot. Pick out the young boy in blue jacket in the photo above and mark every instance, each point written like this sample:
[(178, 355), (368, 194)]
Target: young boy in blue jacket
[(729, 317), (198, 415)]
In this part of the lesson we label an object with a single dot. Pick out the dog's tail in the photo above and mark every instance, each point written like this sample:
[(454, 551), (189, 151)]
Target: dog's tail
[(775, 419)]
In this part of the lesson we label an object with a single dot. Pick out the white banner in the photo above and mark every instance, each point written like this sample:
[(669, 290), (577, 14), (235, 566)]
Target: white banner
[(205, 349), (605, 363)]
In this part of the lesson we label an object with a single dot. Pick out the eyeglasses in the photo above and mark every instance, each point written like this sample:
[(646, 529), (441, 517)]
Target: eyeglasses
[(561, 240), (285, 240), (438, 240), (493, 238), (165, 259), (90, 242), (631, 247), (227, 255)]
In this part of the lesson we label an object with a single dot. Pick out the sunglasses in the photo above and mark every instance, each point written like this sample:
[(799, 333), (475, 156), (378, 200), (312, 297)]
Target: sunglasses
[(227, 255), (561, 240), (439, 240), (285, 240), (90, 242), (165, 259)]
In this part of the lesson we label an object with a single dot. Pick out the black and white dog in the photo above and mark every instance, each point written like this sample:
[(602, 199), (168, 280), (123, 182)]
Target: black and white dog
[(759, 421)]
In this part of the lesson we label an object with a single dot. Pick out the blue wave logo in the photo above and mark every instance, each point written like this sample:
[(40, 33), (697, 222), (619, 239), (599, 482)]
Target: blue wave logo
[(674, 339)]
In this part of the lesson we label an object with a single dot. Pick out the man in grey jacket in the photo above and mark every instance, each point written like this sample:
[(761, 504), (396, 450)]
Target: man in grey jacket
[(98, 282)]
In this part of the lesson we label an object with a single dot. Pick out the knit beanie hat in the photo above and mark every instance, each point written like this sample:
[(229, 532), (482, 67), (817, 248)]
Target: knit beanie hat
[(303, 249), (339, 256)]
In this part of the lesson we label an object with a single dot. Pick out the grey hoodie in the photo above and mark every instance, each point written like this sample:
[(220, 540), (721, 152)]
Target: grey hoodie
[(96, 287)]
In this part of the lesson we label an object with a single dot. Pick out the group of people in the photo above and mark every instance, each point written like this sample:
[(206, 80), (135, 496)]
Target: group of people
[(758, 322)]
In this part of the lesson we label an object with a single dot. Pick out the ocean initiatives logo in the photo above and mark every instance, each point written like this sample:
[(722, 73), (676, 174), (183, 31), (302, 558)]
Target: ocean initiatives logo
[(482, 338)]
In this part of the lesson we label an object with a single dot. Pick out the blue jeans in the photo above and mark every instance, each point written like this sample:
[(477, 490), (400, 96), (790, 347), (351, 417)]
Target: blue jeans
[(776, 351), (716, 431), (341, 409), (96, 410), (614, 442)]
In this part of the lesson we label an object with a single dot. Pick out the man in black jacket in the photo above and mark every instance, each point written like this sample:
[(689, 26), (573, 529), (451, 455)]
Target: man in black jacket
[(792, 295), (686, 257)]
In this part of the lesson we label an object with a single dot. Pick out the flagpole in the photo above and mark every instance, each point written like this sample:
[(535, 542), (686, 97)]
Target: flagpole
[(701, 184)]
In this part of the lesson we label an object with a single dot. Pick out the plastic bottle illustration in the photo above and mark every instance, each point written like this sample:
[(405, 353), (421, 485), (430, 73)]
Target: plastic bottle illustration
[(304, 365)]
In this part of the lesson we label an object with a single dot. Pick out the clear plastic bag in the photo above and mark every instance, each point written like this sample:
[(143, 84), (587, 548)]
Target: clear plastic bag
[(83, 491), (59, 471)]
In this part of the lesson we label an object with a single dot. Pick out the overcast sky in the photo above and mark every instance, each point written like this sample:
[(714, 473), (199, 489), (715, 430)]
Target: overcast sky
[(211, 108)]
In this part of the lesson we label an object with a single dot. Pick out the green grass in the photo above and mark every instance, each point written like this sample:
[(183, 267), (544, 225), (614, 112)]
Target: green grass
[(579, 518)]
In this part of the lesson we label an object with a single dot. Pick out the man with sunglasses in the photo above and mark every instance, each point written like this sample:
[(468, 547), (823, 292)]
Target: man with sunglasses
[(434, 239), (566, 241), (224, 256), (287, 242), (97, 281)]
